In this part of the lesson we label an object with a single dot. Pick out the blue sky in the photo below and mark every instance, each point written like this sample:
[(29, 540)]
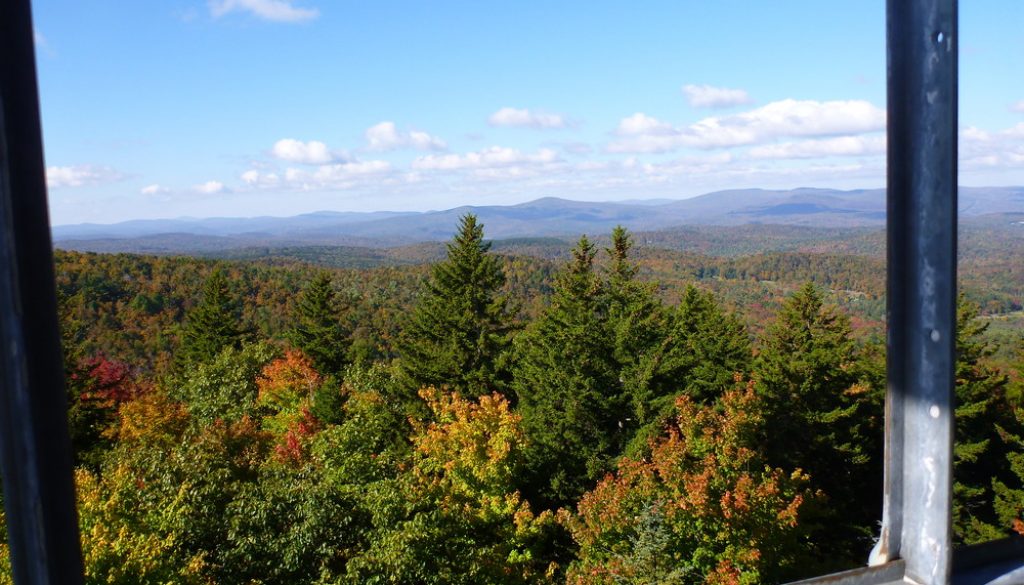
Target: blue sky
[(274, 107)]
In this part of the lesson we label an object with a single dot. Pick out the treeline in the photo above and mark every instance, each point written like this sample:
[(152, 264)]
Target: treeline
[(499, 424)]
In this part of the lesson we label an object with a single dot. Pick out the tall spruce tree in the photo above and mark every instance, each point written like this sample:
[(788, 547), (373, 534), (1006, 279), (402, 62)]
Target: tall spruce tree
[(661, 352), (716, 343), (213, 324), (639, 325), (816, 409), (982, 412), (317, 327), (458, 334), (699, 353), (568, 387)]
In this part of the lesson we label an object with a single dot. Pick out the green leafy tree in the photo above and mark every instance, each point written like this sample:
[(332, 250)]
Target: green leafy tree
[(458, 333), (982, 410), (568, 386), (455, 516), (213, 324), (318, 329), (225, 388), (816, 408)]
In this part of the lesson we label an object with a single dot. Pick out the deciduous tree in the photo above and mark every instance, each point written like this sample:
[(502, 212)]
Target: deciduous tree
[(702, 508)]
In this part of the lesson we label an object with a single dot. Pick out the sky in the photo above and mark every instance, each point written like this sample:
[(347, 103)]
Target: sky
[(241, 108)]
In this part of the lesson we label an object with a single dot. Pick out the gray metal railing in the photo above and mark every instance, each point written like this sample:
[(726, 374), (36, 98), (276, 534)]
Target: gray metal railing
[(35, 449)]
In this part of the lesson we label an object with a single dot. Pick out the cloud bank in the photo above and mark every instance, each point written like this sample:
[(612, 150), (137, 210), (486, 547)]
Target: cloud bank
[(640, 133)]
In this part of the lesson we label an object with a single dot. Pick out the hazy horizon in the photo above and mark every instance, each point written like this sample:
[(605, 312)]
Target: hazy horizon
[(281, 107)]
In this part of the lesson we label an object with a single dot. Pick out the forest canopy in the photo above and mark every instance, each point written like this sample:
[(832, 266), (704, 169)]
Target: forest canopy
[(627, 415)]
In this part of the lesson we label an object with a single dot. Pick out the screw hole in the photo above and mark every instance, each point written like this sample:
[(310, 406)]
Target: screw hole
[(939, 37)]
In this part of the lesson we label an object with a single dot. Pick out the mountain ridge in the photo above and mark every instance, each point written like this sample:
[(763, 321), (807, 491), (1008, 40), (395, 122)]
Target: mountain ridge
[(545, 217)]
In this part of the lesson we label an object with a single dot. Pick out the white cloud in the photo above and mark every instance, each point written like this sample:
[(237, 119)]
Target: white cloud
[(838, 146), (255, 178), (707, 96), (527, 119), (335, 176), (1018, 107), (1016, 131), (272, 10), (793, 118), (211, 188), (640, 123), (385, 136), (80, 176), (313, 152), (154, 189), (981, 149), (488, 158)]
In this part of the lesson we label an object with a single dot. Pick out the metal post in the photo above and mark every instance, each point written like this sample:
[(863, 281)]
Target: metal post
[(35, 450), (922, 183)]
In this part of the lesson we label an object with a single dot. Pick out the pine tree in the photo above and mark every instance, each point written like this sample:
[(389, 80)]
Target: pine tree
[(318, 330), (815, 410), (458, 333), (982, 410), (213, 324), (568, 387)]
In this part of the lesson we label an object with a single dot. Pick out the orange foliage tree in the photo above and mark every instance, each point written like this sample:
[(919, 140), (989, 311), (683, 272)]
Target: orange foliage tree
[(286, 387), (702, 508)]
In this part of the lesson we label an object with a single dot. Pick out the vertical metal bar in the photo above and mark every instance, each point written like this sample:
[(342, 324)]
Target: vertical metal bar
[(35, 450), (922, 145)]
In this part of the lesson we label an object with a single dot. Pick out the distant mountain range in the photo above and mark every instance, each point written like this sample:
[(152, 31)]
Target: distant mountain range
[(541, 218)]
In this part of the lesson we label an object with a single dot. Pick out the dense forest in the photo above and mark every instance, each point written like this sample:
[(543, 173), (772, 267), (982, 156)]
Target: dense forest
[(619, 414)]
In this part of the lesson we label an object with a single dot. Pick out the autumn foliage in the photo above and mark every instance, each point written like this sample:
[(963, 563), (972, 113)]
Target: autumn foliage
[(703, 508), (635, 415)]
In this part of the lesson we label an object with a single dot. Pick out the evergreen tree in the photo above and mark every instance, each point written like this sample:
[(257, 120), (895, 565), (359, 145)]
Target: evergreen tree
[(716, 342), (318, 330), (567, 383), (982, 410), (213, 324), (815, 411), (699, 354), (1009, 491), (458, 333), (639, 326)]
